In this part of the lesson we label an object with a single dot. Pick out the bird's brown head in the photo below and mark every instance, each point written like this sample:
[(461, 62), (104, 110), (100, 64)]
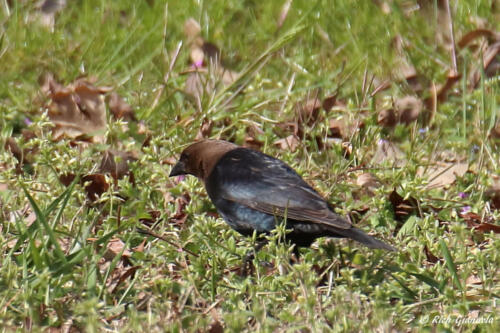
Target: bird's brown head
[(199, 158)]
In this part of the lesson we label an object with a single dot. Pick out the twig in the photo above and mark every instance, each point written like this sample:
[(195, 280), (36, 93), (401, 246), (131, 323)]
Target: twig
[(452, 36), (150, 233)]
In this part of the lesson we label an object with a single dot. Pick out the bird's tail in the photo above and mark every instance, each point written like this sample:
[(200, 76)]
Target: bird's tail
[(365, 239)]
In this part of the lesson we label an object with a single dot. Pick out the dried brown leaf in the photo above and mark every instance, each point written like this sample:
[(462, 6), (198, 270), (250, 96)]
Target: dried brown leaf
[(154, 216), (488, 227), (78, 110), (114, 247), (493, 195), (116, 163), (308, 112), (387, 118), (495, 131), (95, 185), (197, 84), (388, 151), (336, 128), (211, 53), (47, 12), (216, 327), (402, 207), (205, 129), (367, 180), (130, 272), (192, 28), (443, 174), (291, 143), (180, 215), (430, 257), (475, 34), (473, 279), (26, 214), (23, 156), (408, 109), (329, 102), (119, 108), (140, 247), (474, 221)]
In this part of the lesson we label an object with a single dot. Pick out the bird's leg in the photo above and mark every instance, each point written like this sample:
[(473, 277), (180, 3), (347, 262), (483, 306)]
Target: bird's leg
[(247, 261), (295, 255)]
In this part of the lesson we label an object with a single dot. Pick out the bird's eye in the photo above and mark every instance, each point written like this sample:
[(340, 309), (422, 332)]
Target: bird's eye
[(184, 156)]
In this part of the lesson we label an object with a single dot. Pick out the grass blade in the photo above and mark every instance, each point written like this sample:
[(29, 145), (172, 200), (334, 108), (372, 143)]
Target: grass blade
[(450, 264), (42, 222)]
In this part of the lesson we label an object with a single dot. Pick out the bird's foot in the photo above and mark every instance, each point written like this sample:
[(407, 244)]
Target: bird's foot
[(247, 267)]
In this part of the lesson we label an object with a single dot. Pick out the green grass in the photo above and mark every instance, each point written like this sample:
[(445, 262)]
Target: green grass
[(58, 270)]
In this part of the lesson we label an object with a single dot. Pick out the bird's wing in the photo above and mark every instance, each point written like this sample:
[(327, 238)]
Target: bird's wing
[(268, 185)]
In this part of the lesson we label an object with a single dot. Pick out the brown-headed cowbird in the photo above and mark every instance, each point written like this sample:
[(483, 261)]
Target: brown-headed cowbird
[(251, 189)]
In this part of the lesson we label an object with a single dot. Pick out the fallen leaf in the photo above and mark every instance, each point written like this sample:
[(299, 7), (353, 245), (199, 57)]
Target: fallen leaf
[(475, 34), (336, 128), (116, 163), (95, 185), (491, 64), (430, 257), (367, 180), (205, 129), (403, 208), (387, 118), (197, 85), (140, 247), (207, 68), (474, 221), (329, 102), (346, 149), (442, 91), (119, 108), (130, 272), (473, 279), (403, 70), (443, 173), (495, 131), (23, 156), (389, 152), (211, 53), (308, 111), (250, 140), (216, 327), (154, 217), (252, 143), (180, 215), (78, 110), (170, 160), (493, 195), (487, 227), (47, 11), (25, 215), (291, 143), (283, 128), (408, 109), (114, 247), (192, 28)]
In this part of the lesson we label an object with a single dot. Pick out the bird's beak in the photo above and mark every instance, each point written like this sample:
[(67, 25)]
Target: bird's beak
[(178, 169)]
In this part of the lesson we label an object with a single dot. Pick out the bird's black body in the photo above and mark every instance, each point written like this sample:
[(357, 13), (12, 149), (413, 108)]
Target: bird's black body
[(253, 191), (243, 178)]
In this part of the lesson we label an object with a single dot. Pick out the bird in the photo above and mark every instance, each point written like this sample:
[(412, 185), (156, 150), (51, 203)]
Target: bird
[(253, 191)]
